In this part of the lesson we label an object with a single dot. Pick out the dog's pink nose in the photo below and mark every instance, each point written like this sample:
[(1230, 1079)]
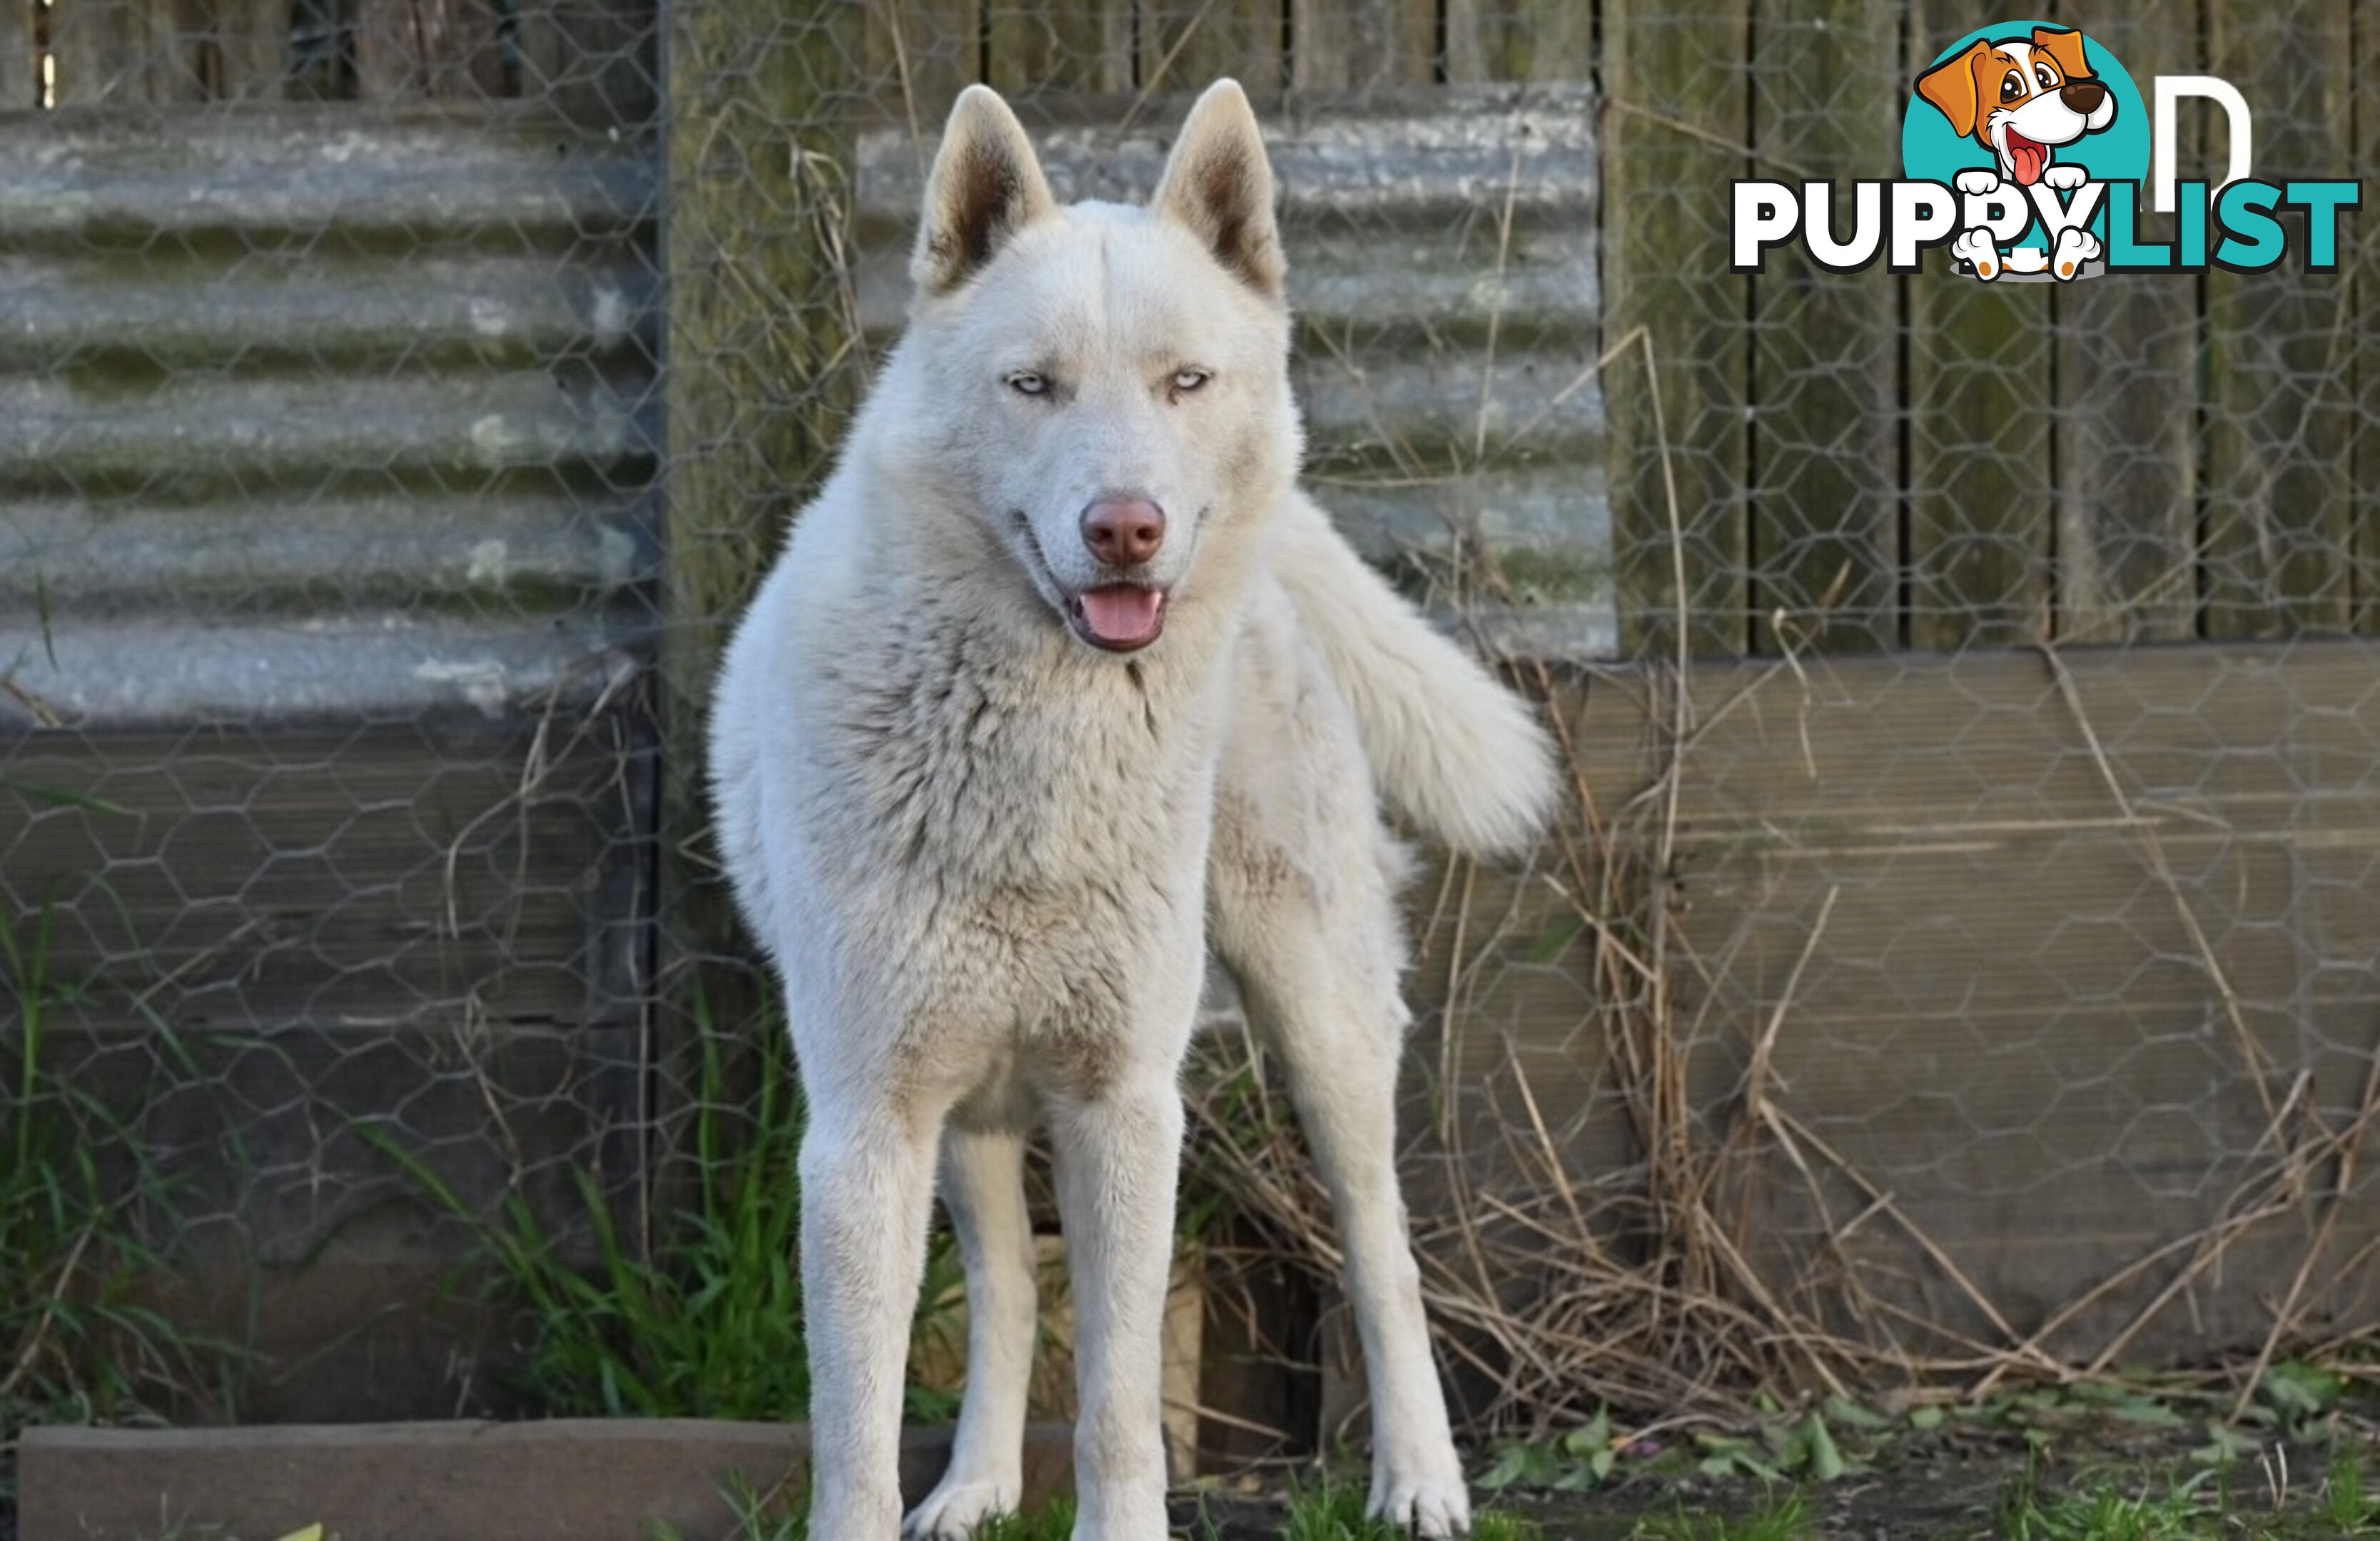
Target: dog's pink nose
[(1123, 532)]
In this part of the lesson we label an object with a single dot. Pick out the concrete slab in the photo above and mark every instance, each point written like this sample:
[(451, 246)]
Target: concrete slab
[(561, 1480)]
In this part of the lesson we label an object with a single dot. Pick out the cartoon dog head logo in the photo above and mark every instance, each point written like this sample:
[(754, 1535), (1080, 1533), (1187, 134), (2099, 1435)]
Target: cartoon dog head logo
[(2024, 122), (2021, 98)]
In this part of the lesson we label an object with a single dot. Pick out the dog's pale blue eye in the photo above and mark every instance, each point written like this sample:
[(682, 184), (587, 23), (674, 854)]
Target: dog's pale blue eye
[(1190, 380), (1026, 383)]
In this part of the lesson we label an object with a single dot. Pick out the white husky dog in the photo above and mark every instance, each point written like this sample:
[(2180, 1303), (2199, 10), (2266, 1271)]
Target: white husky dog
[(1059, 681)]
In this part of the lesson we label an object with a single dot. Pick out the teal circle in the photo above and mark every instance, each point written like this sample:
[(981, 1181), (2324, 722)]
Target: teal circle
[(1932, 149)]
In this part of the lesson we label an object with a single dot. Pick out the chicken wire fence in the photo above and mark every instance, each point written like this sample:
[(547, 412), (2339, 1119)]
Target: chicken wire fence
[(1960, 961)]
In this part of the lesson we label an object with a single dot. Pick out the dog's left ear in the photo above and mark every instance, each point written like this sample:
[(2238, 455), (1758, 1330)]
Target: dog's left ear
[(2065, 45), (1218, 184)]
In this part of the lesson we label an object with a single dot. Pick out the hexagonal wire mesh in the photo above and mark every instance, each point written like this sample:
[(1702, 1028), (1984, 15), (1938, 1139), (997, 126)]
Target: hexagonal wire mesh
[(1962, 965)]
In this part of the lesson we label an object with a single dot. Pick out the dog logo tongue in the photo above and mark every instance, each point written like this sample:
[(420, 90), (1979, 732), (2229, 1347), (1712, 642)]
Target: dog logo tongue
[(2028, 157), (1122, 611)]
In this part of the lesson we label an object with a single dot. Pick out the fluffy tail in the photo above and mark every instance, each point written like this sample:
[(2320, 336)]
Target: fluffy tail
[(1453, 749)]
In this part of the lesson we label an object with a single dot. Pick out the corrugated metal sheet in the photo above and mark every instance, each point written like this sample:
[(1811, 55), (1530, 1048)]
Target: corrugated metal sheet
[(1442, 266), (306, 414)]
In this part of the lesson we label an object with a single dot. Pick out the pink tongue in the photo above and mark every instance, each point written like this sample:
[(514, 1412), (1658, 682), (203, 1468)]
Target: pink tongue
[(2029, 158), (1122, 611)]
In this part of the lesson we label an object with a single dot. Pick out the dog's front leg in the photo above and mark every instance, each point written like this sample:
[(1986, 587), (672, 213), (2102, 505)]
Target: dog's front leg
[(983, 1187), (1118, 1149), (866, 1169)]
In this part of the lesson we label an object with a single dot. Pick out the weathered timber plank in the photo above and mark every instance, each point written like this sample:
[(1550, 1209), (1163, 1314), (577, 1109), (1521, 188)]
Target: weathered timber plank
[(1676, 114), (1824, 538), (2280, 453), (1072, 45), (596, 61), (1184, 44), (917, 56), (2364, 248), (1982, 502), (121, 53), (1519, 40), (2049, 1015), (2128, 383), (20, 88), (436, 50), (1364, 47)]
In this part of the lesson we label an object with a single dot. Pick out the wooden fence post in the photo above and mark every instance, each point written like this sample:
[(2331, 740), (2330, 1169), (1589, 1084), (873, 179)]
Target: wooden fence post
[(1823, 547), (19, 88), (761, 339), (2279, 453), (2363, 239), (2128, 383), (1519, 40), (1673, 136), (1981, 497), (1070, 46)]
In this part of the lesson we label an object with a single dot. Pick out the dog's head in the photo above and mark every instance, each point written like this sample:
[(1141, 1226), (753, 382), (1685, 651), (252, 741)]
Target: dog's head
[(2021, 98), (1105, 387)]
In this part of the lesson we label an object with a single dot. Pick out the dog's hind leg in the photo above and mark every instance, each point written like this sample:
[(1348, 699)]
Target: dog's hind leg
[(1118, 1140), (983, 1188), (1317, 963)]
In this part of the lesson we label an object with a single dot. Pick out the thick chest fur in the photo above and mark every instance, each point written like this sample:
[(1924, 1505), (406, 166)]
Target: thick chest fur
[(1037, 815), (1011, 771)]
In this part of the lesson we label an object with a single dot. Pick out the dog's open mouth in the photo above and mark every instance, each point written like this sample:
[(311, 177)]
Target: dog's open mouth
[(1121, 617), (2027, 156)]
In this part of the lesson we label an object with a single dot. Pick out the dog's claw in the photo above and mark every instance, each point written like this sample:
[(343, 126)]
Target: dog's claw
[(1432, 1515), (1423, 1496), (955, 1511)]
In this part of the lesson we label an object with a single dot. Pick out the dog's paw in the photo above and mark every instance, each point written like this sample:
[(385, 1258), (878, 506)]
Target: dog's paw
[(1433, 1513), (1975, 249), (955, 1511), (1421, 1495), (2075, 246), (2064, 178), (1979, 182)]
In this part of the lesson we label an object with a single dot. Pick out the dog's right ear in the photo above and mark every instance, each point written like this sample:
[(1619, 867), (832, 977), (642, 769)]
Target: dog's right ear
[(1951, 86), (986, 186)]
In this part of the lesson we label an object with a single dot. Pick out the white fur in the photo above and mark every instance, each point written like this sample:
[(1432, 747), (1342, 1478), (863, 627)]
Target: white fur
[(989, 858)]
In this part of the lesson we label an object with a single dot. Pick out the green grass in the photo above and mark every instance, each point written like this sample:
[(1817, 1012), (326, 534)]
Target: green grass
[(1787, 1519), (2106, 1514), (80, 1339), (1334, 1512), (2210, 1507), (707, 1324), (765, 1517)]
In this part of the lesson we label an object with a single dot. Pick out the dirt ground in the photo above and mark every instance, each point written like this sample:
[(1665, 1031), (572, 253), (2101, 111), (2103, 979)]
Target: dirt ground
[(1955, 1487)]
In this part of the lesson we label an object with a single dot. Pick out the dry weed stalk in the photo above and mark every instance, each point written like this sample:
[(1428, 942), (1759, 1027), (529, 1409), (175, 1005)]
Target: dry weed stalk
[(1665, 1284)]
